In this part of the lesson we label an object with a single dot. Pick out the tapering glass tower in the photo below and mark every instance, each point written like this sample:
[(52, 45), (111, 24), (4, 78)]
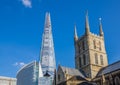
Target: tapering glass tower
[(47, 57)]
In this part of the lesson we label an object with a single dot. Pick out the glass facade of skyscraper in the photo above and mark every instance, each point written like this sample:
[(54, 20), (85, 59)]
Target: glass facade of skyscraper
[(28, 74), (47, 55)]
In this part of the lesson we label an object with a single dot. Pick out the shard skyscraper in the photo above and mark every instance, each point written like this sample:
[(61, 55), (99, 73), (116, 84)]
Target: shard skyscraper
[(47, 55)]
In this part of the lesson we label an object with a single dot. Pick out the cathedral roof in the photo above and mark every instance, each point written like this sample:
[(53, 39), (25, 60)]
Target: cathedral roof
[(72, 71), (110, 68), (87, 83), (78, 78)]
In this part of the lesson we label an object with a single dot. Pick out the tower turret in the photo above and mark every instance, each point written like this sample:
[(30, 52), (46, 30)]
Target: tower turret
[(100, 28), (87, 27), (75, 34)]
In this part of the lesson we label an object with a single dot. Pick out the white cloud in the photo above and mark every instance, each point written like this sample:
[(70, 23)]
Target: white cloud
[(19, 64), (27, 3)]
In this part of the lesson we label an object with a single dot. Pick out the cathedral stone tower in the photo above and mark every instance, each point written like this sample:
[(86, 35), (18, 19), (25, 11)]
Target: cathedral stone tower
[(90, 53)]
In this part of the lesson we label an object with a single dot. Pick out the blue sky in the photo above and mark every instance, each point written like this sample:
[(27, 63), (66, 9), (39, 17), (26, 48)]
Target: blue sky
[(22, 23)]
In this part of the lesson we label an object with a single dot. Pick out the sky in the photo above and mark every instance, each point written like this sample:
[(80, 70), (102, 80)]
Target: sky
[(22, 24)]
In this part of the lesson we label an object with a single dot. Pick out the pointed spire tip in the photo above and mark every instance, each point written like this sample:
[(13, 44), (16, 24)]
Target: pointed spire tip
[(47, 20), (75, 33), (87, 28), (101, 30)]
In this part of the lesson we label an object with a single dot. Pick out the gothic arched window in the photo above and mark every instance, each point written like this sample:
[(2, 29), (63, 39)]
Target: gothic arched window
[(58, 77), (84, 59), (96, 58), (100, 46), (101, 60), (79, 61), (83, 45), (117, 80), (94, 44), (110, 79), (78, 48)]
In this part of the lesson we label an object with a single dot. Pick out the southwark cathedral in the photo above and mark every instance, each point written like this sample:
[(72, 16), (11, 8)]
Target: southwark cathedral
[(91, 61)]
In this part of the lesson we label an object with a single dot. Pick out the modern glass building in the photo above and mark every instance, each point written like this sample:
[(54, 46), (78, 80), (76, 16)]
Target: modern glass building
[(47, 55), (28, 74), (7, 80)]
